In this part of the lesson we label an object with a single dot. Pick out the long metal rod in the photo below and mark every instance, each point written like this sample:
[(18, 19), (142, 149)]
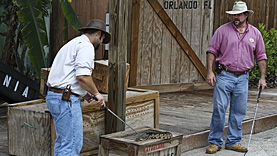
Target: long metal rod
[(121, 119), (260, 90), (92, 96)]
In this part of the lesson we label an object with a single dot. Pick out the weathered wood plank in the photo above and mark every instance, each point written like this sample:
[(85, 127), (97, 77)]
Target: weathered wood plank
[(134, 41), (117, 64), (140, 43), (177, 87), (166, 50), (156, 50), (195, 44), (31, 137), (179, 37), (176, 51), (185, 61), (147, 44), (206, 33)]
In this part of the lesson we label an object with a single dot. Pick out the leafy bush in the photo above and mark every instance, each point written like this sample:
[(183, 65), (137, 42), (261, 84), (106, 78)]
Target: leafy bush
[(270, 41)]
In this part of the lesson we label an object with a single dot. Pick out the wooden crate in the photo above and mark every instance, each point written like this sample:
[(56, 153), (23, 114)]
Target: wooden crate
[(142, 109), (100, 75), (123, 143)]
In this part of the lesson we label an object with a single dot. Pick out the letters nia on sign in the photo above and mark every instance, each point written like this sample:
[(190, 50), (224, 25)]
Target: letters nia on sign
[(15, 86), (186, 4), (7, 82)]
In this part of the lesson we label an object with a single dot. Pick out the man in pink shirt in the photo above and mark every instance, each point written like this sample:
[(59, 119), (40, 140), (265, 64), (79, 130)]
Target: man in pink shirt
[(233, 48)]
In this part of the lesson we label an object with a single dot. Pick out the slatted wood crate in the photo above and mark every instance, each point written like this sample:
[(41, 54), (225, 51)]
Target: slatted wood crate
[(100, 75), (31, 130), (123, 143)]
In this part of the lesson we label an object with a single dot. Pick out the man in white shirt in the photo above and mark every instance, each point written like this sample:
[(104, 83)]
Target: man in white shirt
[(69, 78)]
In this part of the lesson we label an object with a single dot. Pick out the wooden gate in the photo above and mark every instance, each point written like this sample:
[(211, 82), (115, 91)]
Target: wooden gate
[(171, 37)]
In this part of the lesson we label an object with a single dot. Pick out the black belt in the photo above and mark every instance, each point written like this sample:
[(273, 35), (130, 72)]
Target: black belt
[(234, 72), (58, 90)]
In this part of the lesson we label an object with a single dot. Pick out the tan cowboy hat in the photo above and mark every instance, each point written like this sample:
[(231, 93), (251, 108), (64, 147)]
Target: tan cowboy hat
[(239, 7), (97, 25)]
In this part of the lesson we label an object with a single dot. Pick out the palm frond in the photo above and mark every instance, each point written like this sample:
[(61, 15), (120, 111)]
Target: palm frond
[(33, 34), (70, 15)]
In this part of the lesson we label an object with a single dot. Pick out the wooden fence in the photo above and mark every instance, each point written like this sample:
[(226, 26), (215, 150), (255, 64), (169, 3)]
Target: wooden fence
[(158, 54), (265, 11), (161, 56)]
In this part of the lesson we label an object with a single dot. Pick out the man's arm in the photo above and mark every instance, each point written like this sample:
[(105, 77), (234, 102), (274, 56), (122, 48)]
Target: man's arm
[(87, 84), (262, 67), (210, 74)]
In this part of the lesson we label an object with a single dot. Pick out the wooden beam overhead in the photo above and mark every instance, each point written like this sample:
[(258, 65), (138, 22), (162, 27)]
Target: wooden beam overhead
[(179, 37)]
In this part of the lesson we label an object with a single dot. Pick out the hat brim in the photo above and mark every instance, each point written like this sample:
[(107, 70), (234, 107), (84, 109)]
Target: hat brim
[(239, 12), (107, 35)]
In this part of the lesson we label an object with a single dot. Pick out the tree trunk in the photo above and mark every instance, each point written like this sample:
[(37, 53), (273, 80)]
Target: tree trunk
[(9, 50)]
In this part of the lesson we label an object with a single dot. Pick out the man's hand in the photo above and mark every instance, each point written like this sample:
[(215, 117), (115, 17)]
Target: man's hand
[(101, 100), (262, 84), (211, 78), (210, 74), (262, 66)]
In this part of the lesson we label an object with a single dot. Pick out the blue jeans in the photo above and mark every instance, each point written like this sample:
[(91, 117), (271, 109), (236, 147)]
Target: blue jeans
[(68, 124), (233, 88)]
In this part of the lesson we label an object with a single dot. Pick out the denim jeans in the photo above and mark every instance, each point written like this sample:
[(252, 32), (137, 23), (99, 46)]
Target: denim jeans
[(68, 124), (233, 88)]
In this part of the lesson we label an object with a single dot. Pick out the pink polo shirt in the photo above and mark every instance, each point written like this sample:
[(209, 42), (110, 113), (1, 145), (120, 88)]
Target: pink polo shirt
[(235, 52)]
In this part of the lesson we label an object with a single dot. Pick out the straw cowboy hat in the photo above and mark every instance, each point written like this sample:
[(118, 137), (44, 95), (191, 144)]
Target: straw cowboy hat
[(97, 25), (239, 7)]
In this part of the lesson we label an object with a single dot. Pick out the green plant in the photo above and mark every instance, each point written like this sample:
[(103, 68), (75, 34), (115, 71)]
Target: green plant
[(31, 16), (270, 41)]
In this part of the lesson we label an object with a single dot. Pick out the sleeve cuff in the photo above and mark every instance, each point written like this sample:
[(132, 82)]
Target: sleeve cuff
[(83, 71)]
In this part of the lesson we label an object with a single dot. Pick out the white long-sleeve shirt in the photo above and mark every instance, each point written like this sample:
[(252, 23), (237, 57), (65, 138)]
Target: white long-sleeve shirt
[(74, 59)]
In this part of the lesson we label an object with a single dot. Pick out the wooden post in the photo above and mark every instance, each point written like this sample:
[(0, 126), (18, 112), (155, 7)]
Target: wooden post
[(118, 10), (134, 42), (56, 31)]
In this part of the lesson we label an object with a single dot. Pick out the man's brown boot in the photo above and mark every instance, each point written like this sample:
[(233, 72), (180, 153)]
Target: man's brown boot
[(212, 149), (237, 147)]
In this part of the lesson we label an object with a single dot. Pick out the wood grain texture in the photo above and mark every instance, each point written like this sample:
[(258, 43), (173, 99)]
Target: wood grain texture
[(134, 42), (156, 50), (124, 142), (36, 138), (118, 10), (100, 75), (147, 44), (178, 36)]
